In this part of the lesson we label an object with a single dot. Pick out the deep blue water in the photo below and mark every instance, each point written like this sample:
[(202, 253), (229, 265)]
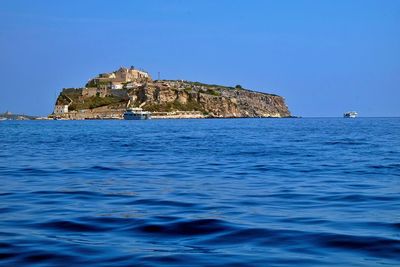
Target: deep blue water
[(235, 192)]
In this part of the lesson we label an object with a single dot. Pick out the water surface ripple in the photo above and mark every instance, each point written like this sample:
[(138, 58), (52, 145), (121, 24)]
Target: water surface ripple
[(235, 192)]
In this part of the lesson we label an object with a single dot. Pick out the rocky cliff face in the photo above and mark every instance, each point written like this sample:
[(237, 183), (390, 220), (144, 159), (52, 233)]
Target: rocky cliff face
[(212, 100), (169, 97)]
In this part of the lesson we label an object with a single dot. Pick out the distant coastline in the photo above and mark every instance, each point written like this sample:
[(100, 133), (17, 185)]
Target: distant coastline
[(11, 116)]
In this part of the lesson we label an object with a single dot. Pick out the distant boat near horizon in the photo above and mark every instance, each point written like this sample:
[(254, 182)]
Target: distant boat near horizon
[(350, 114)]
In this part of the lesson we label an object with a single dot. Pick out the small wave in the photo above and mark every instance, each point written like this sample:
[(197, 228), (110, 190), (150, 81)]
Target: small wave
[(6, 245), (114, 223), (155, 202), (71, 226), (7, 255), (102, 168), (375, 246), (305, 220), (186, 228), (291, 195), (356, 198), (395, 225), (7, 209), (76, 194), (41, 257), (385, 166), (345, 142), (168, 259), (30, 171)]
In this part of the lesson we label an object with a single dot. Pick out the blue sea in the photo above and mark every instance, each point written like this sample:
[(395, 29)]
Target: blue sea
[(211, 192)]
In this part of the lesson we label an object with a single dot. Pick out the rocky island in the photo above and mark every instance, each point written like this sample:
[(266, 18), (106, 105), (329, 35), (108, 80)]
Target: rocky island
[(109, 94)]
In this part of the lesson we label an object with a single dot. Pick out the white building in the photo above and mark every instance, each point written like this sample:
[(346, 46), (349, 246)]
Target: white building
[(132, 85), (60, 109), (116, 86)]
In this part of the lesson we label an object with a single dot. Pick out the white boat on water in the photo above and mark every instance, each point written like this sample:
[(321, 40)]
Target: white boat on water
[(136, 114), (350, 114)]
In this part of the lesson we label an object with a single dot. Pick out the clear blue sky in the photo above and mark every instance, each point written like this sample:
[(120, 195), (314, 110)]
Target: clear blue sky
[(325, 57)]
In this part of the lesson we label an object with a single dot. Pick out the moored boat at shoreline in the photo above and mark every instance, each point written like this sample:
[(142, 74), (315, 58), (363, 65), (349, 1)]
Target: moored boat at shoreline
[(136, 114)]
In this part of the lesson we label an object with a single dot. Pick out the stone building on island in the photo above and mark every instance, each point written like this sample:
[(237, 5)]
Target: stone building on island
[(120, 78), (60, 109), (104, 85)]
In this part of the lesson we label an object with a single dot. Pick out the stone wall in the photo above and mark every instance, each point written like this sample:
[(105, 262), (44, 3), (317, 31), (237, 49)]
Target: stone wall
[(93, 91), (97, 113)]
